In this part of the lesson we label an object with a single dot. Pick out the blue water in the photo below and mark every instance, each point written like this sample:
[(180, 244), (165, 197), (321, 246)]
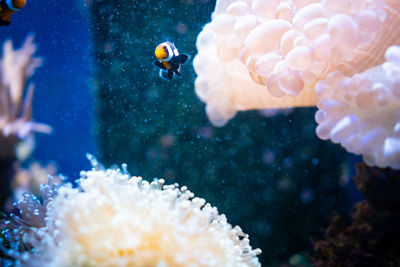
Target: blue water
[(63, 96)]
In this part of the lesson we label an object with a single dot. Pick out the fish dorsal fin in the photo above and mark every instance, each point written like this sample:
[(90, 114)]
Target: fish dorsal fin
[(182, 58)]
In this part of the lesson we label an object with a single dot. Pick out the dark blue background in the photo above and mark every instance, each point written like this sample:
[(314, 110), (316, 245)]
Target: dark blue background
[(63, 96)]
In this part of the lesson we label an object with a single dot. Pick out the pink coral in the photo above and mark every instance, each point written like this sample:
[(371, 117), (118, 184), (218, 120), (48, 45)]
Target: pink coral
[(362, 112)]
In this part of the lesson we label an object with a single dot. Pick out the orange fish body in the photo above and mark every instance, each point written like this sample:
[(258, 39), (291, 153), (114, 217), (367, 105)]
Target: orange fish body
[(9, 7)]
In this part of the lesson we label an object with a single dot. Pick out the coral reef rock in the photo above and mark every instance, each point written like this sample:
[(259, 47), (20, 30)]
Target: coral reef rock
[(372, 237)]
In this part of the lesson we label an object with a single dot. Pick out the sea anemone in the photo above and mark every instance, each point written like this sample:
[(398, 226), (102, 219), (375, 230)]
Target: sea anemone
[(259, 54), (114, 219), (16, 67), (29, 179)]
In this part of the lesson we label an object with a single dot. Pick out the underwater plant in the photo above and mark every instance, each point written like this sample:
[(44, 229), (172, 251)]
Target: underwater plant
[(114, 219), (274, 54)]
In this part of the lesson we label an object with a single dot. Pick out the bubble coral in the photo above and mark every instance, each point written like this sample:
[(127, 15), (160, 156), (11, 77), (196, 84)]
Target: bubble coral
[(114, 219), (259, 54), (16, 67), (345, 115)]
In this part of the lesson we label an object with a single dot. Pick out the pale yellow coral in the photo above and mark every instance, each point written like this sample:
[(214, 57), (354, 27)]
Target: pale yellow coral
[(114, 219)]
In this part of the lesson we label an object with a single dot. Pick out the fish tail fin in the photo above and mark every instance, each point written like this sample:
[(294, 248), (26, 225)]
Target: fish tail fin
[(170, 74), (177, 72)]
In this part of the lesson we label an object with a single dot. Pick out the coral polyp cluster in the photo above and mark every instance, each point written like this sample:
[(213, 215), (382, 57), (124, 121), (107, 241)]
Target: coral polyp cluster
[(300, 41), (114, 219), (345, 115)]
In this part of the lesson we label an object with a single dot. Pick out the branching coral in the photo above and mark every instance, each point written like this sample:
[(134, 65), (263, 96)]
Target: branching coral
[(16, 67), (113, 219), (259, 54)]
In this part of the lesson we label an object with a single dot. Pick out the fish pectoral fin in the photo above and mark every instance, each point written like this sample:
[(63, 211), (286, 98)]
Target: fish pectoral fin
[(177, 72), (182, 58), (159, 65)]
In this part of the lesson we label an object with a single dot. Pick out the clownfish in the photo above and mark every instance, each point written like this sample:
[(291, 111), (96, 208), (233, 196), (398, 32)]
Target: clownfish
[(169, 60), (9, 7)]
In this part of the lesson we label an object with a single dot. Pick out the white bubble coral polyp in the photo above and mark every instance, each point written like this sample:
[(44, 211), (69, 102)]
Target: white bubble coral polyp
[(363, 112), (113, 219)]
